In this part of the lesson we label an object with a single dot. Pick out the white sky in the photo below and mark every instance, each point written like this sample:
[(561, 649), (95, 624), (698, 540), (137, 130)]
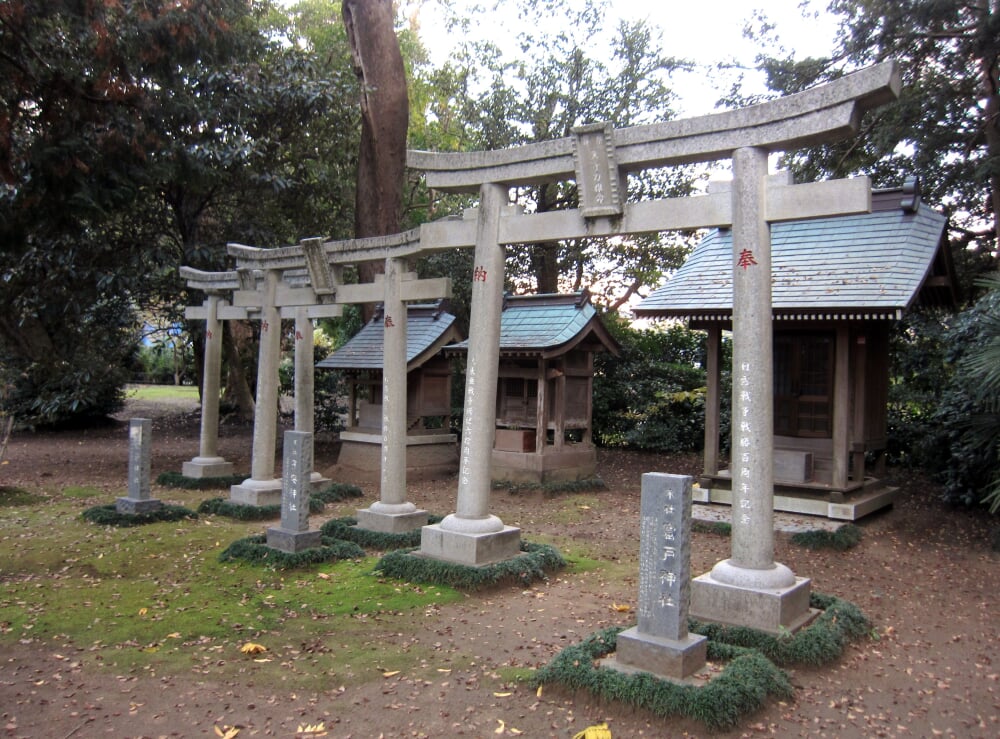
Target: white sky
[(704, 31)]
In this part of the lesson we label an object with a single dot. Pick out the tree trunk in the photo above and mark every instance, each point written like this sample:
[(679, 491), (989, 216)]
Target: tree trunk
[(385, 111), (237, 388)]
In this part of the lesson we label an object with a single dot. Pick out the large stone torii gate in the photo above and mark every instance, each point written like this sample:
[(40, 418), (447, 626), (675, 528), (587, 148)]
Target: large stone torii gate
[(749, 588)]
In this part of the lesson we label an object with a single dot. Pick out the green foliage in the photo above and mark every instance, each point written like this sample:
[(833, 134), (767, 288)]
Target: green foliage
[(254, 550), (329, 388), (108, 515), (820, 643), (532, 565), (749, 678), (967, 420), (177, 480), (336, 492), (718, 528), (551, 488), (653, 395), (845, 537), (564, 68), (138, 137), (346, 529)]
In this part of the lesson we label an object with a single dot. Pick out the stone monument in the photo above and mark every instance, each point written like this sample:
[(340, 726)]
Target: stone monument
[(138, 500), (660, 643), (293, 534)]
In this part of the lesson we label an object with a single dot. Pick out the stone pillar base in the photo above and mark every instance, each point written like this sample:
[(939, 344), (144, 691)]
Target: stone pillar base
[(473, 549), (317, 482), (292, 541), (672, 659), (201, 467), (391, 523), (137, 506), (256, 492), (775, 610)]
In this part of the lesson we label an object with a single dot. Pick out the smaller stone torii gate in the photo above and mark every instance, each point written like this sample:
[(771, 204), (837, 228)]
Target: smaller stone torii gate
[(304, 282), (749, 588)]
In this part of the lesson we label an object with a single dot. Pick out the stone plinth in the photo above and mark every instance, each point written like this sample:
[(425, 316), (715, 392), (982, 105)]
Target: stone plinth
[(134, 506), (674, 659), (377, 518), (470, 548), (202, 467), (775, 610), (292, 541), (256, 492)]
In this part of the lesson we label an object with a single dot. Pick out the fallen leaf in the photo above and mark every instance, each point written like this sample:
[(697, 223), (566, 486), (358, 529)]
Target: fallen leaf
[(538, 693), (314, 729), (390, 674), (501, 695), (251, 648), (143, 611), (500, 728), (623, 608), (323, 576), (226, 732)]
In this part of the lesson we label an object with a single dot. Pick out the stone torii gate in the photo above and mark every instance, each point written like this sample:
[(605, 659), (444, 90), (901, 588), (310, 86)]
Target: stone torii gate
[(304, 282), (749, 588)]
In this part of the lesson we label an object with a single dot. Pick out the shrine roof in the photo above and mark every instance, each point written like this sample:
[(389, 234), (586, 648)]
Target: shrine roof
[(428, 330), (549, 325), (868, 266)]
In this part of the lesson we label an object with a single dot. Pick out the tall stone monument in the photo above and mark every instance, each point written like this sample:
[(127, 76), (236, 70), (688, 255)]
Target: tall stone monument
[(660, 643), (140, 433), (293, 535)]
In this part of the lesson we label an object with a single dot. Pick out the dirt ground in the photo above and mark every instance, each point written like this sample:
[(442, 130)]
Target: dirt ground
[(924, 574)]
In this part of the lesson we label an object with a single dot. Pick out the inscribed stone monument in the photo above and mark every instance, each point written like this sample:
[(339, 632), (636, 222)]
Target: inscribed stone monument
[(293, 535), (139, 454)]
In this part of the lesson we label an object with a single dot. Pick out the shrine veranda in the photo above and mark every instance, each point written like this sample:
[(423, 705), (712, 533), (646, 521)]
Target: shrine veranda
[(304, 282)]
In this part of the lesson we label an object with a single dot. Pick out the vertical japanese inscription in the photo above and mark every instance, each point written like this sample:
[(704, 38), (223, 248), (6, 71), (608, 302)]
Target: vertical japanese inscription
[(296, 471), (664, 555)]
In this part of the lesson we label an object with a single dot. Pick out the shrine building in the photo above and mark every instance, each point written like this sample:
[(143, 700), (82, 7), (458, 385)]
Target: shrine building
[(839, 284)]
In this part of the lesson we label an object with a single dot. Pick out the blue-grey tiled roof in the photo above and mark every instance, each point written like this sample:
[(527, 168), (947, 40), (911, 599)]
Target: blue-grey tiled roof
[(870, 262), (547, 324), (427, 331)]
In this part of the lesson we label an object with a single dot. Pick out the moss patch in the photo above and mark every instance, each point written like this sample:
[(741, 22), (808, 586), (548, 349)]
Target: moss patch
[(177, 480), (845, 537), (346, 529), (254, 550)]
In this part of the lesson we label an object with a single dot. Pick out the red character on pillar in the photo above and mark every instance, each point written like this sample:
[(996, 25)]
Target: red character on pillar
[(746, 259)]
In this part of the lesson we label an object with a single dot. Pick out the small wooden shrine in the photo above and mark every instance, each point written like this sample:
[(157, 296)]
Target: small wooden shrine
[(431, 449), (838, 286), (545, 387)]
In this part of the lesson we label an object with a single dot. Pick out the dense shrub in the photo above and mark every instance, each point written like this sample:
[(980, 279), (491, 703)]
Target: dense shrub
[(653, 395)]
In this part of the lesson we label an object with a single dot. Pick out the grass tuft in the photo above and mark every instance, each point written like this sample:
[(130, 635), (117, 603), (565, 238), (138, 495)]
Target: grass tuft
[(346, 529), (254, 550), (108, 515), (845, 537), (177, 480), (533, 564), (751, 674)]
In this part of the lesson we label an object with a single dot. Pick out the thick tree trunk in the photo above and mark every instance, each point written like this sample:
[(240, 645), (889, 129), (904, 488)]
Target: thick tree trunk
[(238, 390), (385, 110)]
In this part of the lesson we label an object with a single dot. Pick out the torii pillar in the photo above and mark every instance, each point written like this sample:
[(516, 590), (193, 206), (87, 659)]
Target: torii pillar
[(208, 463), (262, 488), (750, 588), (471, 535)]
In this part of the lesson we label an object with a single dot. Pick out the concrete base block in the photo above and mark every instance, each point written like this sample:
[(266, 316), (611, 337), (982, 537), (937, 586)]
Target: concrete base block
[(673, 659), (774, 611), (202, 467), (292, 541), (391, 523), (135, 505), (256, 492), (470, 548)]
